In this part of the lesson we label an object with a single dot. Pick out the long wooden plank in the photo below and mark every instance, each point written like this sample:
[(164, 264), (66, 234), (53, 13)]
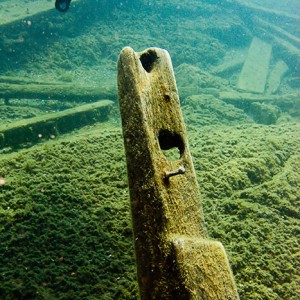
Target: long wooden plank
[(267, 11), (231, 63), (30, 131), (67, 92), (276, 76), (256, 67), (277, 31), (235, 97), (24, 80)]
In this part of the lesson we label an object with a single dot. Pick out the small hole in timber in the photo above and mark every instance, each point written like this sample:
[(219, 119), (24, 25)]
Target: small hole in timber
[(171, 144), (148, 59)]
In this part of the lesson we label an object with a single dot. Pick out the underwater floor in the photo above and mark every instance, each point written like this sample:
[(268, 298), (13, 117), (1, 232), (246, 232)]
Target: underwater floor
[(65, 224), (65, 217)]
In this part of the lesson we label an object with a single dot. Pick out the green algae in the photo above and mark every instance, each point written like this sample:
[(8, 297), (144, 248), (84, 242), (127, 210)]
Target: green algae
[(249, 177), (65, 220), (66, 231), (205, 109)]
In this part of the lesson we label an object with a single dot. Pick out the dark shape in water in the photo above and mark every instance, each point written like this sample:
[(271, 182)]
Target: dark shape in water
[(62, 5)]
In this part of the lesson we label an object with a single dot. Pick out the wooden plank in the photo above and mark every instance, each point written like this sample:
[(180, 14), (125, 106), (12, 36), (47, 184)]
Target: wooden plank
[(255, 70), (230, 64), (277, 31), (15, 10), (235, 97), (284, 49), (24, 80), (289, 48), (67, 92), (267, 11), (30, 131), (276, 76)]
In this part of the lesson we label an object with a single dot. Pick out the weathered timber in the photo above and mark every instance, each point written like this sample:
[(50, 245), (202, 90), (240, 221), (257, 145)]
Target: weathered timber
[(289, 48), (234, 96), (275, 77), (286, 102), (283, 47), (175, 260), (229, 66), (277, 31), (255, 70), (264, 11), (30, 131), (24, 80), (67, 92)]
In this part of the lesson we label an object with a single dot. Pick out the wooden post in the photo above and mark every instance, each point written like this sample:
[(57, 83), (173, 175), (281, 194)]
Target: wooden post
[(175, 260)]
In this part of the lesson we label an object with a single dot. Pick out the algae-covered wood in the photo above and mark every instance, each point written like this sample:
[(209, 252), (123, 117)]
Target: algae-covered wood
[(275, 77), (277, 31), (254, 74), (164, 194), (63, 91), (50, 125), (235, 97), (204, 266), (266, 11)]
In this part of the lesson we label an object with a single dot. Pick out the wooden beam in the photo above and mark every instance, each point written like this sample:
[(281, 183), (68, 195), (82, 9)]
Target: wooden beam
[(24, 80), (67, 92), (175, 259), (235, 97), (255, 70), (30, 131), (276, 30), (275, 77), (265, 11)]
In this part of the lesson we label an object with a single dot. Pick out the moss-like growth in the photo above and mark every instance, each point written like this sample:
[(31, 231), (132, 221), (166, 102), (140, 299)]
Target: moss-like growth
[(208, 110), (65, 229)]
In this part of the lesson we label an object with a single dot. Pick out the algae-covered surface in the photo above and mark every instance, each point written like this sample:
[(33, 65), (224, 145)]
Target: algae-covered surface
[(65, 222), (65, 226)]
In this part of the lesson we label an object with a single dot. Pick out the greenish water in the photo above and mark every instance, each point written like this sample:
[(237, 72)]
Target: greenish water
[(65, 227)]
